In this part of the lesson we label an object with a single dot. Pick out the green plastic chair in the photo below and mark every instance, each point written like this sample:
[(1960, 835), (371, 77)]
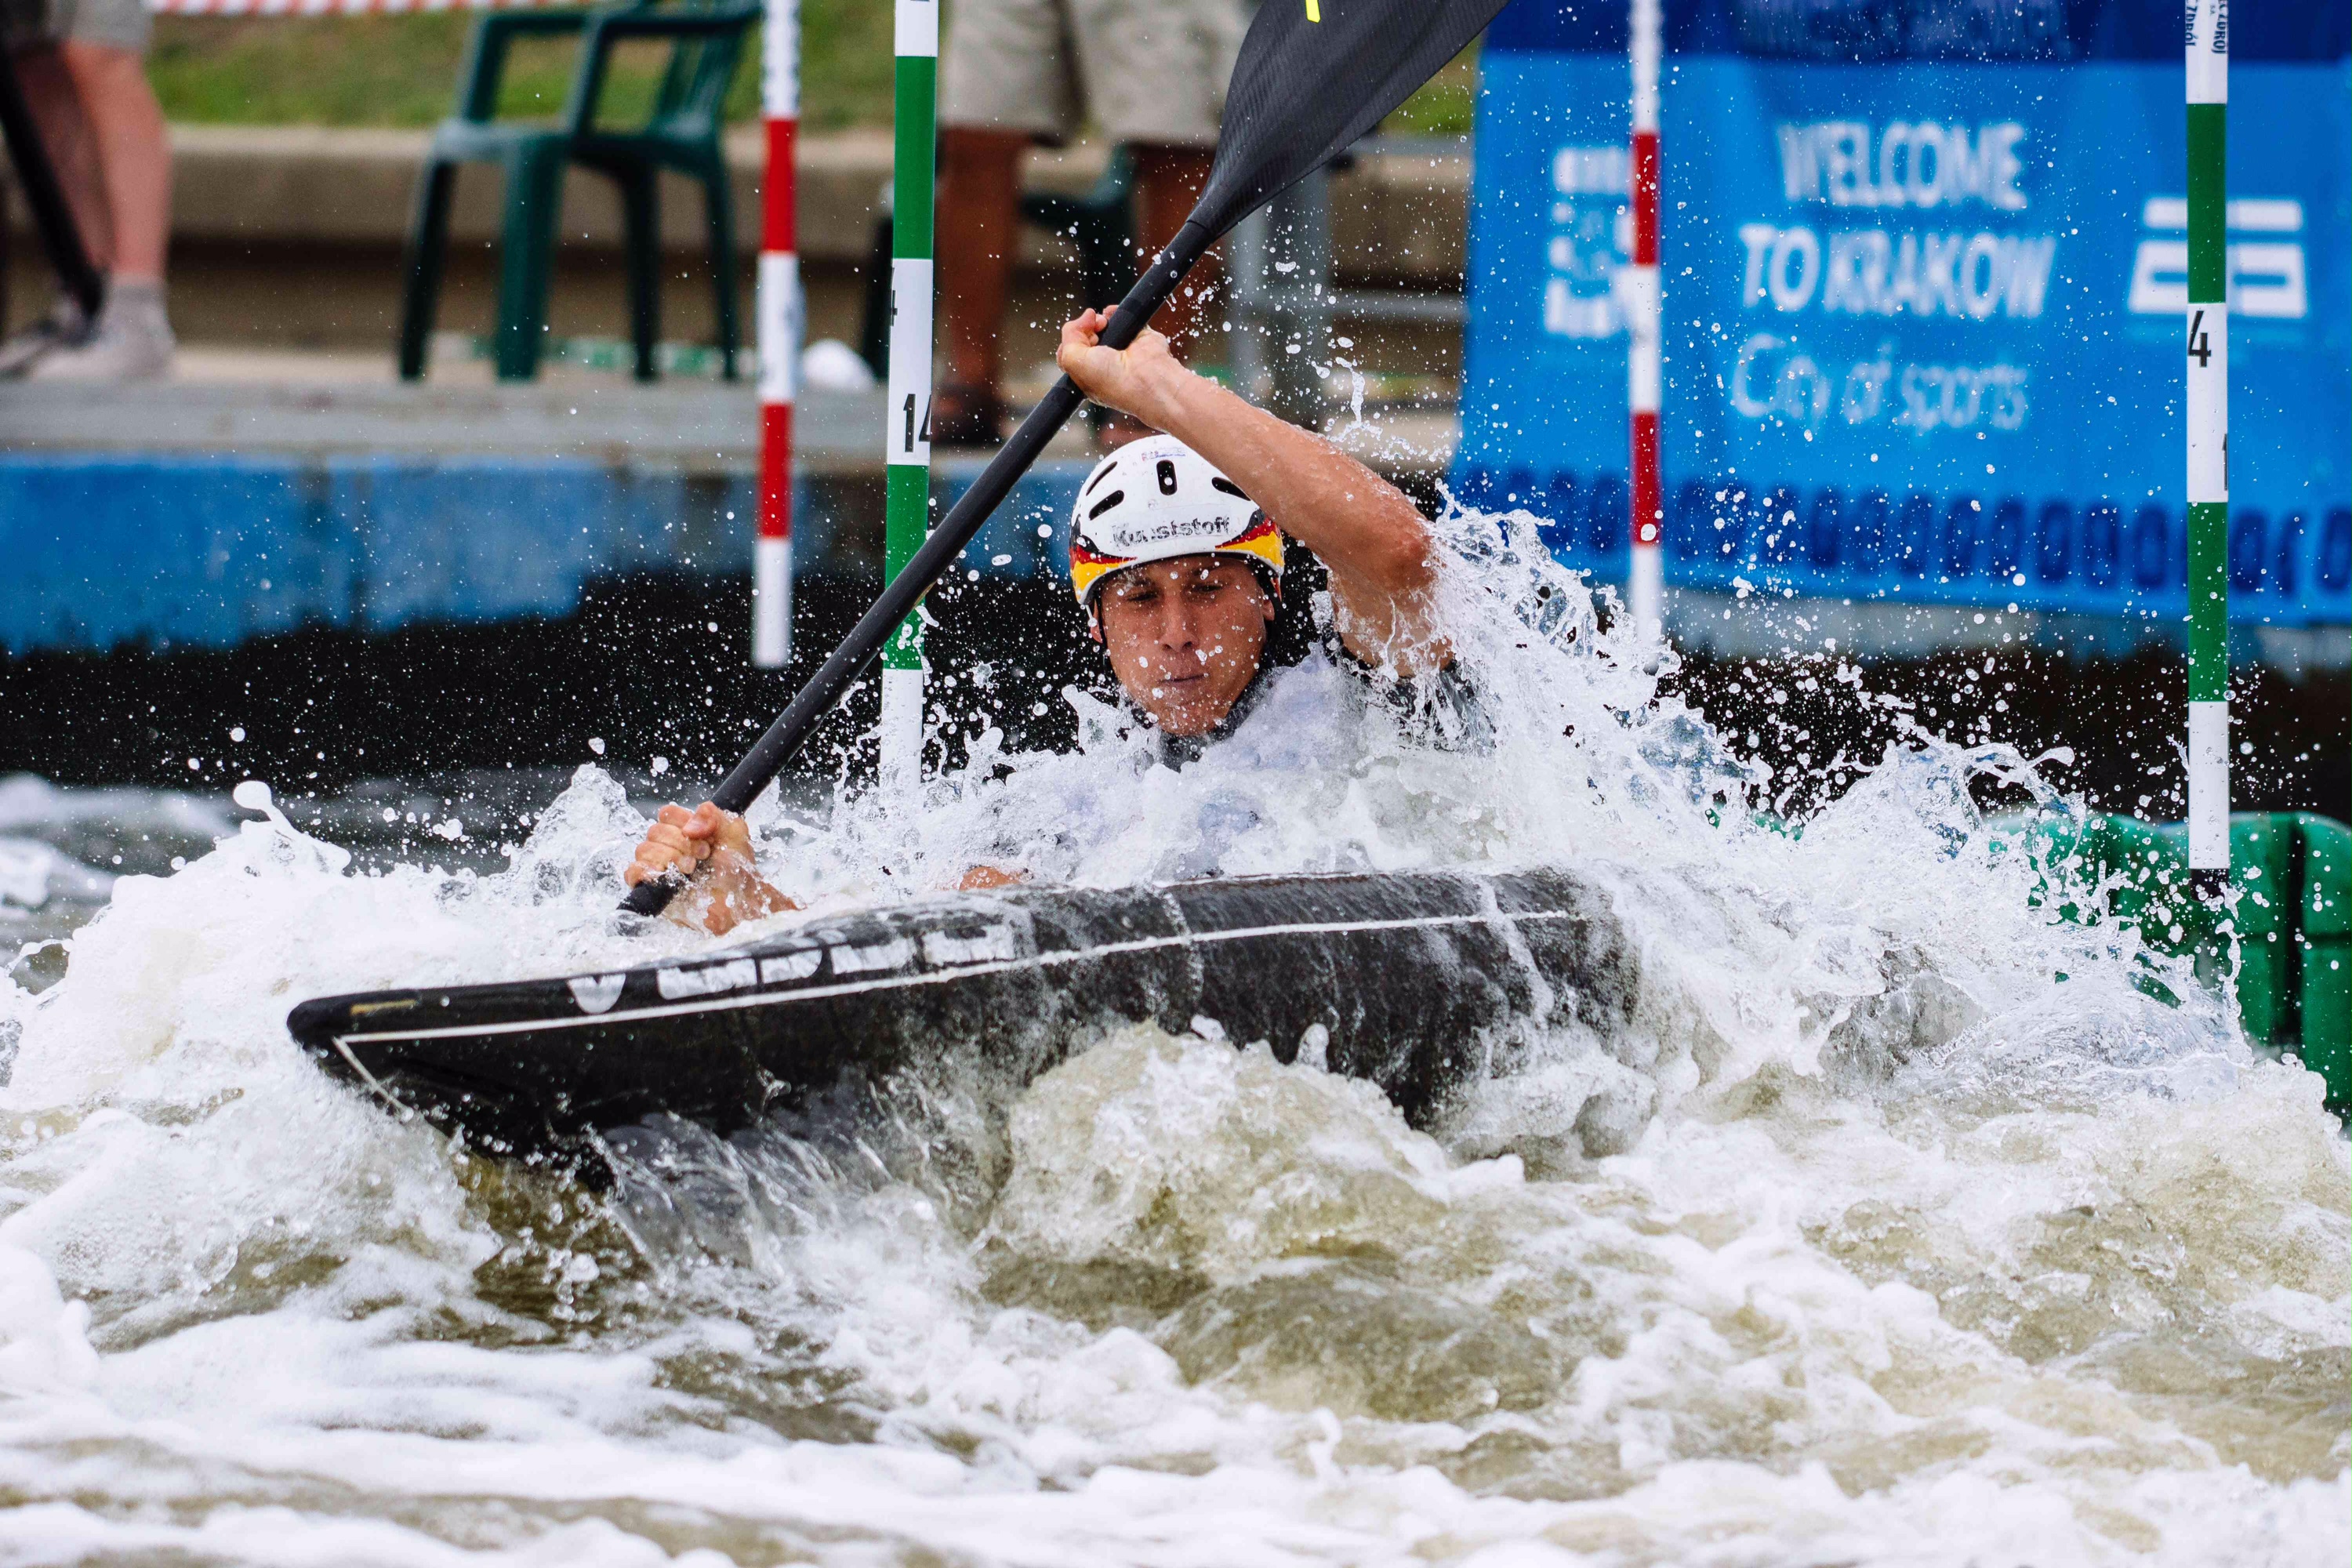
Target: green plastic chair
[(682, 134)]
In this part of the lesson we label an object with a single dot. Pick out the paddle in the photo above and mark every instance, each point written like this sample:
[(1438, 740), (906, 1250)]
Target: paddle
[(1313, 75)]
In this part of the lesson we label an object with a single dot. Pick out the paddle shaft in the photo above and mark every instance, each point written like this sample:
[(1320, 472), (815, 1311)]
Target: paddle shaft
[(792, 727)]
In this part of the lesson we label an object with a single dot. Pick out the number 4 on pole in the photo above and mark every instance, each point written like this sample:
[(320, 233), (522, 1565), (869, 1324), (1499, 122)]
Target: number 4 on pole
[(2207, 407)]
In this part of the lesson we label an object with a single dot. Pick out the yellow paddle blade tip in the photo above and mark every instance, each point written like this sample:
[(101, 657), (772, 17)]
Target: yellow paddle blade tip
[(1314, 11)]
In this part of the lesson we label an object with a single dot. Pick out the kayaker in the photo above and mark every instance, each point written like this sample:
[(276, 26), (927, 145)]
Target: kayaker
[(1177, 554)]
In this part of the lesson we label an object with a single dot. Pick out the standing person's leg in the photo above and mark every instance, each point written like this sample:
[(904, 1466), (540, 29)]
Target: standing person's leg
[(1155, 74), (104, 46), (134, 152), (979, 194), (66, 136), (28, 33), (1169, 182), (1004, 82)]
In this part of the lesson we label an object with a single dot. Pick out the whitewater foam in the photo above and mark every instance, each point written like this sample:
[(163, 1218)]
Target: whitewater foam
[(1903, 1226)]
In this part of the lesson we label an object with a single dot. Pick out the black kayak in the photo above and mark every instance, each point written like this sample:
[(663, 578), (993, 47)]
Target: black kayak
[(1418, 982)]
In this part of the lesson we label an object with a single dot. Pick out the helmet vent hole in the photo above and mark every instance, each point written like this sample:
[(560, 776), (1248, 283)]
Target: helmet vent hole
[(1167, 478), (1104, 504), (1219, 482)]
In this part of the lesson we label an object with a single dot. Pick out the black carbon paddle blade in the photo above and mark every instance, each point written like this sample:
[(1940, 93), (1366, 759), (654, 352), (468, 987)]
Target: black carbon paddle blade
[(1315, 76)]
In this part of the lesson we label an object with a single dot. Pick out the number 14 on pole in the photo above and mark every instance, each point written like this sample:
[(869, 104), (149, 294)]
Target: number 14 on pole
[(907, 443)]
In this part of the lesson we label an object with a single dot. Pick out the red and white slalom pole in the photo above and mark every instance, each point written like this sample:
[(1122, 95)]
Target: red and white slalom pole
[(779, 313), (1643, 305)]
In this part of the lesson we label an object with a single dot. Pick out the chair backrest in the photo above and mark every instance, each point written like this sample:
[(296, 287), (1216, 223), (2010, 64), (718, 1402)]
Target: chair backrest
[(701, 68)]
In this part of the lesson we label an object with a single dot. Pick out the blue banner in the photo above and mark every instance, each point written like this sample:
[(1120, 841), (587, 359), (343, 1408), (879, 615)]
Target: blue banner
[(1924, 265)]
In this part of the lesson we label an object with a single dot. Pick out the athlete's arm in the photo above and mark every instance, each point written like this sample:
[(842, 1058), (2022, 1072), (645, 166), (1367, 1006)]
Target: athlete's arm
[(1382, 558), (710, 849)]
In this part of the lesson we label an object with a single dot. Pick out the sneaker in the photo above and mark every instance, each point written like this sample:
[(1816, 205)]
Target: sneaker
[(64, 327), (133, 342)]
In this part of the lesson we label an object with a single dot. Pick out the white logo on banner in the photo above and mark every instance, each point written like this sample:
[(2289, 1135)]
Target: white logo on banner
[(2266, 276), (1591, 237)]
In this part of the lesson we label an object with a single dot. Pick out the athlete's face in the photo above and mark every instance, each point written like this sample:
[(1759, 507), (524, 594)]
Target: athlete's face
[(1184, 636)]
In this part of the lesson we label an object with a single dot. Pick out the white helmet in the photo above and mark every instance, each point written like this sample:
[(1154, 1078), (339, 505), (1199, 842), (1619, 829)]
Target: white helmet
[(1157, 499)]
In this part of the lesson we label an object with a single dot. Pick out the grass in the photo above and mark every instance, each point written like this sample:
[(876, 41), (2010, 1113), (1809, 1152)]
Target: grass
[(402, 71), (1445, 104)]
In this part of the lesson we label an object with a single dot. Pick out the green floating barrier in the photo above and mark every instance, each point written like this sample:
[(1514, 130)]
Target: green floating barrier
[(2292, 926)]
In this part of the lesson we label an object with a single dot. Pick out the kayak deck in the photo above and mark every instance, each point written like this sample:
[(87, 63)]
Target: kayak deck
[(1415, 981)]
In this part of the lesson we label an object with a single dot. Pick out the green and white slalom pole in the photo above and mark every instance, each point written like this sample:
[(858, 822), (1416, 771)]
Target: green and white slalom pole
[(2209, 448), (906, 444)]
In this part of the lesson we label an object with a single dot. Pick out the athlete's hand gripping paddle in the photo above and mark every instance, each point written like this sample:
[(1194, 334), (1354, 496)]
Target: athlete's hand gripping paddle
[(1313, 75)]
